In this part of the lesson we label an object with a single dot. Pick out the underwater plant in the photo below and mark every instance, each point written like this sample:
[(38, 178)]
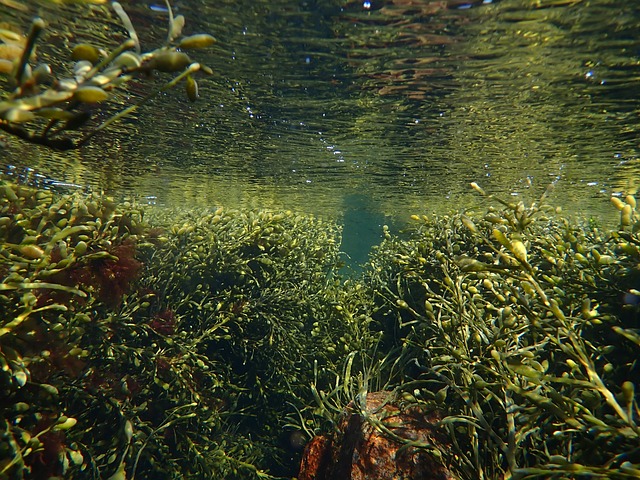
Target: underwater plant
[(110, 275), (193, 334), (57, 112), (45, 317), (255, 292), (217, 342), (519, 329)]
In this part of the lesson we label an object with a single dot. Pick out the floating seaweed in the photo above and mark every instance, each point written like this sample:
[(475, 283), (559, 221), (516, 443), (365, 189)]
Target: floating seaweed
[(56, 112)]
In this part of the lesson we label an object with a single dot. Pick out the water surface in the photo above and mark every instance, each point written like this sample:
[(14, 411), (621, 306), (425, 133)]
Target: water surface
[(399, 104)]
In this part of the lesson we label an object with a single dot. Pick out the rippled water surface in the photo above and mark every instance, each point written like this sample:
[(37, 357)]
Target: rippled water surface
[(385, 107)]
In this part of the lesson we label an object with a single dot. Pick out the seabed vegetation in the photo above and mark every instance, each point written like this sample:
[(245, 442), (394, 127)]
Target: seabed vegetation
[(520, 328), (141, 343), (190, 340)]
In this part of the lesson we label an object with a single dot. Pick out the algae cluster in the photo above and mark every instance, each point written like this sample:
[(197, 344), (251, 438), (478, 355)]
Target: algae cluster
[(520, 329), (192, 340), (58, 109), (214, 341)]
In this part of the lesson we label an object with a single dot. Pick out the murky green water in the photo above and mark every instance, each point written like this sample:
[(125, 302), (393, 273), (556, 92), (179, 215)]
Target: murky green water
[(400, 103)]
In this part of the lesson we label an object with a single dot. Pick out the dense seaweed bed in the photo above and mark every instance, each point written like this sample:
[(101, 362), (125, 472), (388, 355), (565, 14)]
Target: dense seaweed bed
[(214, 342)]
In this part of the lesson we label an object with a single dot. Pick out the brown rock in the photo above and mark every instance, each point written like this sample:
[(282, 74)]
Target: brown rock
[(358, 450)]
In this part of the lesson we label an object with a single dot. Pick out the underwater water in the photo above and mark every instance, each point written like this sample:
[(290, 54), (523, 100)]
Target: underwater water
[(353, 203)]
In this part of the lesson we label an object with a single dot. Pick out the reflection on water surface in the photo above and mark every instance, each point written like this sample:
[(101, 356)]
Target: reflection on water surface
[(400, 102)]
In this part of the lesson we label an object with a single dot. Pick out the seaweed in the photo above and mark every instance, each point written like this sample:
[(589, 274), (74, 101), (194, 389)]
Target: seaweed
[(57, 112), (228, 339)]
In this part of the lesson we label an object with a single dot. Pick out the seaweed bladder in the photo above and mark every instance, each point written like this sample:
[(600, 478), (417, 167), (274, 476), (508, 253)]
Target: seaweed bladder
[(58, 112)]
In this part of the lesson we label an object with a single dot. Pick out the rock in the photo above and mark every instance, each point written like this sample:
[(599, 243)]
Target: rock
[(358, 450)]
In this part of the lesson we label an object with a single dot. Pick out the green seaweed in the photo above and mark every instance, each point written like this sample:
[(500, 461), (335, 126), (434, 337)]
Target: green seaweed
[(56, 111), (511, 326), (211, 338)]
